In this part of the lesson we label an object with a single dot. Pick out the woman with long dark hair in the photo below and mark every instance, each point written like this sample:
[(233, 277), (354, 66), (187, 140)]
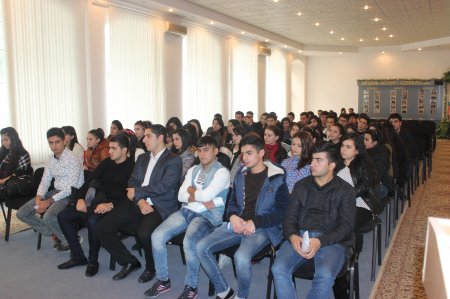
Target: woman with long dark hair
[(14, 158), (174, 122), (198, 127), (115, 128), (335, 134), (71, 140), (182, 147), (97, 149), (357, 170), (274, 151), (299, 165)]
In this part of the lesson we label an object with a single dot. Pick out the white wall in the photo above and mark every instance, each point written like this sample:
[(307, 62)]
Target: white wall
[(331, 81)]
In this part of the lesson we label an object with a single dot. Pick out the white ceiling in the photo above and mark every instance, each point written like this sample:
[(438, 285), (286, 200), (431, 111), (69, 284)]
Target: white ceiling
[(413, 23)]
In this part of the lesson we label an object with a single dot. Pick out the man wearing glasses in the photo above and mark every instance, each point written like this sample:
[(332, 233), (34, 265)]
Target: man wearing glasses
[(203, 195)]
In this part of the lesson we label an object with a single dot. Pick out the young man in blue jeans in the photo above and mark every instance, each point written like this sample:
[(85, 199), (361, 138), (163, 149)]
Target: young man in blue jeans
[(256, 208), (324, 205), (203, 194)]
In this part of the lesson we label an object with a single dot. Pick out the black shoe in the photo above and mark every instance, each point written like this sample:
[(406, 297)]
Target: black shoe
[(231, 294), (146, 276), (91, 269), (158, 288), (127, 269), (72, 263)]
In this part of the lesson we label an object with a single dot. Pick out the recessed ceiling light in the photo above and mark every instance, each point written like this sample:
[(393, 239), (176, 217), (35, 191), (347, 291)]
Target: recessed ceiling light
[(331, 32), (384, 28), (376, 38), (420, 49), (171, 9), (366, 7), (242, 32), (317, 24), (342, 38), (340, 53), (266, 40), (299, 13), (300, 51), (391, 35), (376, 19), (285, 46), (382, 52), (276, 1), (361, 40), (212, 22)]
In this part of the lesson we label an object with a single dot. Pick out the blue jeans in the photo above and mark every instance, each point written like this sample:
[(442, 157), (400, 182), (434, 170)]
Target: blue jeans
[(48, 225), (196, 227), (328, 262), (223, 238)]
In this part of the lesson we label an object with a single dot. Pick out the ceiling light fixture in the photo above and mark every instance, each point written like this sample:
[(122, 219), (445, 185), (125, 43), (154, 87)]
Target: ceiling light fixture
[(391, 35), (212, 22), (300, 51), (299, 13), (285, 46), (317, 24), (242, 32), (340, 53), (420, 49), (331, 32), (266, 40), (361, 40), (376, 38), (366, 7), (376, 19), (384, 28), (382, 52), (276, 1), (342, 38), (171, 9)]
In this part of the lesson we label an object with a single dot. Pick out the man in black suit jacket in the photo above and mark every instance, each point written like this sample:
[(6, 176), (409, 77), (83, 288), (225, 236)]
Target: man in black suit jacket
[(152, 192)]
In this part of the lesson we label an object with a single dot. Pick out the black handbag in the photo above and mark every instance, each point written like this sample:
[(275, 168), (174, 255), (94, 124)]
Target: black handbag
[(18, 186)]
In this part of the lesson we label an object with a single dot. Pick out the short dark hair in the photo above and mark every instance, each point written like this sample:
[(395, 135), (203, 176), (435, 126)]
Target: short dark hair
[(240, 113), (159, 130), (272, 115), (395, 116), (375, 135), (304, 113), (250, 112), (291, 114), (121, 139), (139, 123), (351, 114), (343, 115), (365, 116), (240, 130), (329, 149), (254, 140), (58, 132), (207, 140), (218, 115)]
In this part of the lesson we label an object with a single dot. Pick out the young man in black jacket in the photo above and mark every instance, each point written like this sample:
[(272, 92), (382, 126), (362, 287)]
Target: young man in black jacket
[(324, 206)]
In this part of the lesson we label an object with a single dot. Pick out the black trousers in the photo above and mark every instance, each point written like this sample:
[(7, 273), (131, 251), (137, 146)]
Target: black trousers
[(147, 225), (363, 217), (69, 219), (123, 218)]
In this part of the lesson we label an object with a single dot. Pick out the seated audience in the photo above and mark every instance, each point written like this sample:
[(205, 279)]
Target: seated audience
[(133, 151), (66, 169), (315, 198), (71, 141), (198, 128), (255, 210), (363, 123), (14, 158), (238, 134), (274, 151), (262, 124), (97, 149), (203, 194), (182, 147), (286, 133), (152, 195), (298, 166), (232, 123), (343, 120), (109, 183), (224, 155)]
